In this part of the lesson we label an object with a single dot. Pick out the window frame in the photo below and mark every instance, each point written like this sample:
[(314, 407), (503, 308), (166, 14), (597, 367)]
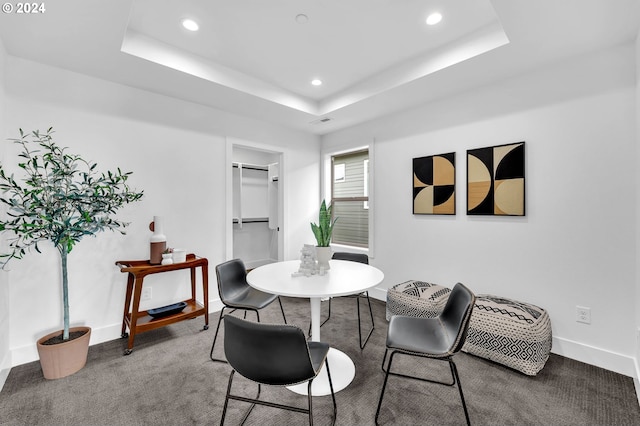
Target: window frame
[(327, 191)]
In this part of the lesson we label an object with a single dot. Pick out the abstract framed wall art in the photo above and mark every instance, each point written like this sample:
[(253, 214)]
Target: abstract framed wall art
[(495, 180), (434, 184)]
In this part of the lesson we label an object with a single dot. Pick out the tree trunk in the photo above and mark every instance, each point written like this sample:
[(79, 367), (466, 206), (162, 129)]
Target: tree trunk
[(65, 293)]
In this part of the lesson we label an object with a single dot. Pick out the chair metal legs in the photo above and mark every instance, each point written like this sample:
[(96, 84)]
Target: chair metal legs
[(384, 385), (454, 376), (453, 380), (256, 400), (454, 370), (333, 395), (228, 397), (373, 325), (282, 310), (215, 337)]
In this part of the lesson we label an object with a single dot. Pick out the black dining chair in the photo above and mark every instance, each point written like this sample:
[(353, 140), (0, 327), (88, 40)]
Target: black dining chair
[(236, 293), (437, 338), (361, 258), (272, 354)]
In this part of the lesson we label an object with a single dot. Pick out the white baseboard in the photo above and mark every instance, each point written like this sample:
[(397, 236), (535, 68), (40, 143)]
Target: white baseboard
[(24, 354), (214, 306), (4, 373), (5, 368), (29, 353), (378, 293), (636, 382), (592, 355)]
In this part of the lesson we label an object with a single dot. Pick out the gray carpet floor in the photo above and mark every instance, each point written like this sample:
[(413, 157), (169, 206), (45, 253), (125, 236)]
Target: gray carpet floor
[(170, 380)]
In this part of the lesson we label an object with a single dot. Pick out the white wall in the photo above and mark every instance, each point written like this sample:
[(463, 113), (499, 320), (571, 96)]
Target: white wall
[(5, 354), (637, 233), (177, 152), (577, 243)]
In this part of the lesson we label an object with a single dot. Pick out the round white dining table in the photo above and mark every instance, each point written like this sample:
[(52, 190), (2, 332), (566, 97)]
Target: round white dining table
[(343, 278)]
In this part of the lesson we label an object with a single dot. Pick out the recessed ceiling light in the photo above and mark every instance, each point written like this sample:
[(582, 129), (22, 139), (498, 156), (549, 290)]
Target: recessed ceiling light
[(302, 18), (434, 18), (190, 24), (316, 82)]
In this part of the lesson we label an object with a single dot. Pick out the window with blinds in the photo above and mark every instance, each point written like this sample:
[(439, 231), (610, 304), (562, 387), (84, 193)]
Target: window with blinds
[(350, 202)]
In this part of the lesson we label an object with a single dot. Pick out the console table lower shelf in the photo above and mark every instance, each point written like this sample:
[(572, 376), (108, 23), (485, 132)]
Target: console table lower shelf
[(140, 321), (146, 322)]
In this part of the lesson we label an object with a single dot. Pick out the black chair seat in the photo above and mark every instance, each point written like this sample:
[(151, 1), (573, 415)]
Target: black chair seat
[(250, 298), (272, 354), (318, 352), (236, 293), (437, 338), (423, 335)]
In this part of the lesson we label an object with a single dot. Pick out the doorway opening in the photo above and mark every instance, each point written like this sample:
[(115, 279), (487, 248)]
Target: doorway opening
[(256, 205)]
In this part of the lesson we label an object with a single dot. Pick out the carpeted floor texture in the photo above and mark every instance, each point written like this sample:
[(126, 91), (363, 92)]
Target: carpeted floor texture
[(170, 380)]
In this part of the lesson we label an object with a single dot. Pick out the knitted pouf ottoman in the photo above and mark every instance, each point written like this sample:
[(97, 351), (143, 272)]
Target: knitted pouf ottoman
[(511, 333), (416, 299)]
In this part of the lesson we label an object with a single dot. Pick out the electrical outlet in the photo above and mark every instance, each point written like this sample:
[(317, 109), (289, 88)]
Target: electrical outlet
[(583, 314), (146, 293)]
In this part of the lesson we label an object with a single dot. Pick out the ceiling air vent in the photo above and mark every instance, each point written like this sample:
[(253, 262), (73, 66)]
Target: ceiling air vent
[(321, 120)]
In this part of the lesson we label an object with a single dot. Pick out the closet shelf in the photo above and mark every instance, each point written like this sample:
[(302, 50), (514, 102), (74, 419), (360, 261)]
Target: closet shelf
[(252, 166), (251, 220)]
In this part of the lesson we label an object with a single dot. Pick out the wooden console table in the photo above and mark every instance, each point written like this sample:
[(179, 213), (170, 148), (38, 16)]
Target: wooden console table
[(140, 321)]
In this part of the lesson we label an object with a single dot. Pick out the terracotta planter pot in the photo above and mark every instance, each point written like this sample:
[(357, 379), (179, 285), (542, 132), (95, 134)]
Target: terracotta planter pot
[(63, 359)]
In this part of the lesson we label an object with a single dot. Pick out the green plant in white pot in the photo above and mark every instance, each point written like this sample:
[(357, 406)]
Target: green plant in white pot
[(322, 231), (61, 199)]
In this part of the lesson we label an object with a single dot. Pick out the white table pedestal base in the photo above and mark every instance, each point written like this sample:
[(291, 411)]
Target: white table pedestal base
[(342, 373)]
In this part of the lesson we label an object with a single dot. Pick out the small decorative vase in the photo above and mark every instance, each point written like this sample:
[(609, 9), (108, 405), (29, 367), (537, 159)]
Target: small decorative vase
[(167, 258), (179, 255), (158, 241), (323, 254)]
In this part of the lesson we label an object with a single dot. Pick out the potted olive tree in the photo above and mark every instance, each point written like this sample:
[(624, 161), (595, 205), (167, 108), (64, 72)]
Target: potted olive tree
[(322, 231), (60, 199)]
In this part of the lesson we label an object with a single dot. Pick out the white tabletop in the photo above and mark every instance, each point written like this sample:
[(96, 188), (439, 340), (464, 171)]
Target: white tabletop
[(344, 277)]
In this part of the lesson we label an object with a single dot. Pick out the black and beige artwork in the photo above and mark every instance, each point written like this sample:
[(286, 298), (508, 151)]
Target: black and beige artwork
[(434, 184), (495, 180)]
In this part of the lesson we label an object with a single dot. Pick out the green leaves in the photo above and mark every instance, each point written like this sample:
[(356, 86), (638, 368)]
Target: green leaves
[(322, 231), (61, 198)]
